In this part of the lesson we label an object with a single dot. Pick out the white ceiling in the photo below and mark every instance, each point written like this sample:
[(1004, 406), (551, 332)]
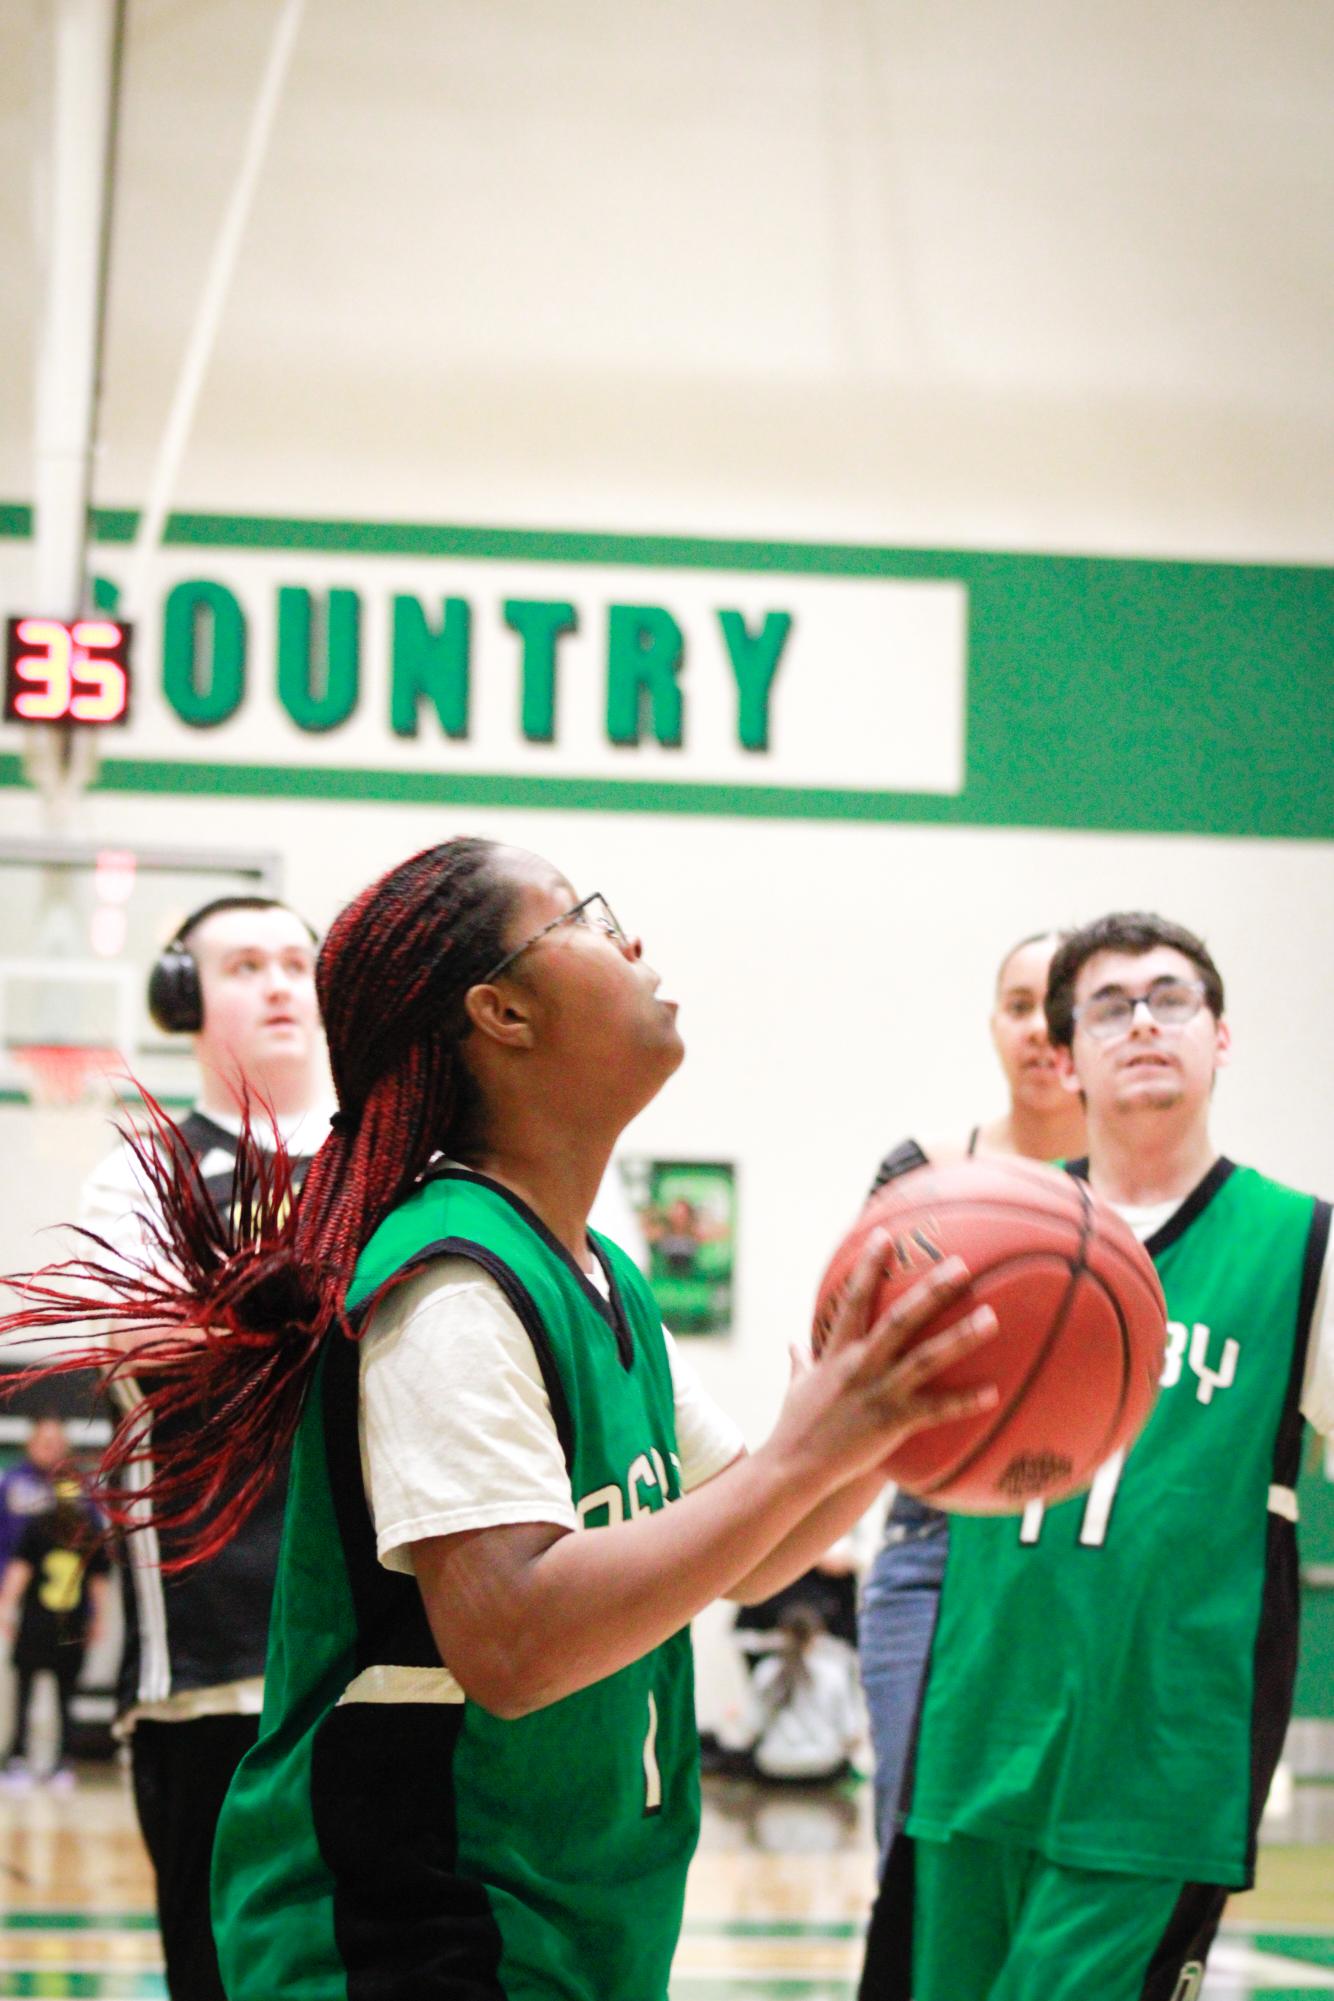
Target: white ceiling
[(960, 269)]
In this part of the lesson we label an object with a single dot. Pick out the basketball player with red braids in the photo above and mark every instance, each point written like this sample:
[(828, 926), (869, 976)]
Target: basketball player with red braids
[(476, 1773)]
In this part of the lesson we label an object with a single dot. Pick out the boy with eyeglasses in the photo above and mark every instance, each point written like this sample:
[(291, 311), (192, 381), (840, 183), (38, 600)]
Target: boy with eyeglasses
[(1111, 1678)]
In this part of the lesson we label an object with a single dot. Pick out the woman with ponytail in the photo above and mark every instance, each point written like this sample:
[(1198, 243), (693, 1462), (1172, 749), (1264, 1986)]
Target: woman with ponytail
[(476, 1775)]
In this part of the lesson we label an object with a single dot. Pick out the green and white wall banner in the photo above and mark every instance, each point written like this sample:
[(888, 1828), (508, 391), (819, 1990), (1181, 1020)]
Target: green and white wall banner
[(311, 658)]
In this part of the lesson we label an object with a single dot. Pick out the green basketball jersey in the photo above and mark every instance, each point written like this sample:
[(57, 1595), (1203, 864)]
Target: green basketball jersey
[(1111, 1678), (387, 1836)]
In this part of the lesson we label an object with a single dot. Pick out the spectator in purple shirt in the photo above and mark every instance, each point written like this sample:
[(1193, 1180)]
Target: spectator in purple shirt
[(28, 1489)]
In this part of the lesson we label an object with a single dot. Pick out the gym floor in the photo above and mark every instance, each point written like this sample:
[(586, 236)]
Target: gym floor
[(775, 1907)]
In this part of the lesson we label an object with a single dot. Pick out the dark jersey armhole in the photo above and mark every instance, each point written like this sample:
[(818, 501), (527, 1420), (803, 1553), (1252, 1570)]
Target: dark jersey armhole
[(1275, 1661), (1288, 1444), (519, 1298), (624, 1330), (390, 1615), (388, 1609)]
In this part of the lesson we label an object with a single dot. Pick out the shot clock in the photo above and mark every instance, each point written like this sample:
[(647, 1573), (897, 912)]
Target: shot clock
[(75, 671)]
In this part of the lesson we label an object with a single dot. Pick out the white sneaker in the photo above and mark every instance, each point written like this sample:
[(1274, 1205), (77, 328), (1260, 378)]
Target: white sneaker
[(16, 1777), (62, 1780)]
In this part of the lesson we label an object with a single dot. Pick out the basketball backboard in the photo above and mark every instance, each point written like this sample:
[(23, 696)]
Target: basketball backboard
[(82, 925)]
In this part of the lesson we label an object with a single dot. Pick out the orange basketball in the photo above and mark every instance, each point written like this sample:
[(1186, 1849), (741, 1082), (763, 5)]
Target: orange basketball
[(1082, 1328)]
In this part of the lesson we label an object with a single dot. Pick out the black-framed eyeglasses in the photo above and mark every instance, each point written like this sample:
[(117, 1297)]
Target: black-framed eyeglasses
[(595, 912), (1171, 1003)]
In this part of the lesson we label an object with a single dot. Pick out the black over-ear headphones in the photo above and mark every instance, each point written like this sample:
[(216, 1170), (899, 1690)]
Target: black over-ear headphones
[(175, 997)]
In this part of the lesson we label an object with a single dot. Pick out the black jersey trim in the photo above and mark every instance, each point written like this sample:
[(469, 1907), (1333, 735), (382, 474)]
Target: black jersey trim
[(202, 1135), (610, 1311), (1288, 1444), (903, 1159), (1274, 1670), (519, 1297), (391, 1622), (200, 1132), (1185, 1941), (625, 1340), (408, 1925), (1192, 1208), (1180, 1220), (342, 1454), (1274, 1667)]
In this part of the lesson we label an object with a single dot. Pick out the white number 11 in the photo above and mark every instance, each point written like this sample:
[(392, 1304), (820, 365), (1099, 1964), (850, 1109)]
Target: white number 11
[(1097, 1508)]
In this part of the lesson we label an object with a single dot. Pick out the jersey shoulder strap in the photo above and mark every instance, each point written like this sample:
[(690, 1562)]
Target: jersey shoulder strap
[(900, 1160)]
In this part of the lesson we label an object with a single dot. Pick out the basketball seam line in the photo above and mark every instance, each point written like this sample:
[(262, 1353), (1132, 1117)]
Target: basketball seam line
[(1078, 1266)]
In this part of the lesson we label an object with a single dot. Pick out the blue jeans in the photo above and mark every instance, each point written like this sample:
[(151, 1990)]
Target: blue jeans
[(895, 1624)]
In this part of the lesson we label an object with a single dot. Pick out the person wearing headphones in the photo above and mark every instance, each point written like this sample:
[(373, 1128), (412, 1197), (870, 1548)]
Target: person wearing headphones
[(239, 978)]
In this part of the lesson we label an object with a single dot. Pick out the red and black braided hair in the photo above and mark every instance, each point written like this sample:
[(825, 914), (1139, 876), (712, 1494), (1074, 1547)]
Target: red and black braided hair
[(238, 1300)]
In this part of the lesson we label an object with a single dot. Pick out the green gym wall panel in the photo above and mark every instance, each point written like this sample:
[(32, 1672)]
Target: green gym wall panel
[(1102, 694)]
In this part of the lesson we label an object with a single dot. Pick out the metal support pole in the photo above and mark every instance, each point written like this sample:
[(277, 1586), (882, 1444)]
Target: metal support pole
[(86, 41)]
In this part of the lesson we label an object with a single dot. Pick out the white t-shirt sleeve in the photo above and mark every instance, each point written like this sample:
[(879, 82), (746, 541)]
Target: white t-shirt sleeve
[(1318, 1390), (455, 1422), (456, 1427), (707, 1439)]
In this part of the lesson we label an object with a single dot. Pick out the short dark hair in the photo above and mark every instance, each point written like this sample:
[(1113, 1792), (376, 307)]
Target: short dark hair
[(1133, 931), (1034, 938)]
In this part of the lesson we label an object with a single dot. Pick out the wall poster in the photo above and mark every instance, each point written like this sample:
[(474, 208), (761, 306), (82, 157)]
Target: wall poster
[(687, 1211)]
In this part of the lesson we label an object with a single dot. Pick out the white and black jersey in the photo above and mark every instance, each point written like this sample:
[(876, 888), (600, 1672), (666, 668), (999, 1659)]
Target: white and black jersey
[(206, 1627)]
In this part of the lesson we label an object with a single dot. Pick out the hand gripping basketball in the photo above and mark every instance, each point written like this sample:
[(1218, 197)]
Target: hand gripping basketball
[(1081, 1335), (876, 1380)]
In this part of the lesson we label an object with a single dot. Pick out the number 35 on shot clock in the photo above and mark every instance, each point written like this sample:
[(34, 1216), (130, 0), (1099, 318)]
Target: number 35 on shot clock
[(59, 671)]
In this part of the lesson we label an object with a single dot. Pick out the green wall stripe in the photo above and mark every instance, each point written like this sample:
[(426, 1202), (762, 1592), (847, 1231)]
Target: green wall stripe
[(119, 525), (82, 1921), (755, 1987), (633, 795), (779, 1928), (1104, 694), (1278, 817), (113, 526), (171, 1101)]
